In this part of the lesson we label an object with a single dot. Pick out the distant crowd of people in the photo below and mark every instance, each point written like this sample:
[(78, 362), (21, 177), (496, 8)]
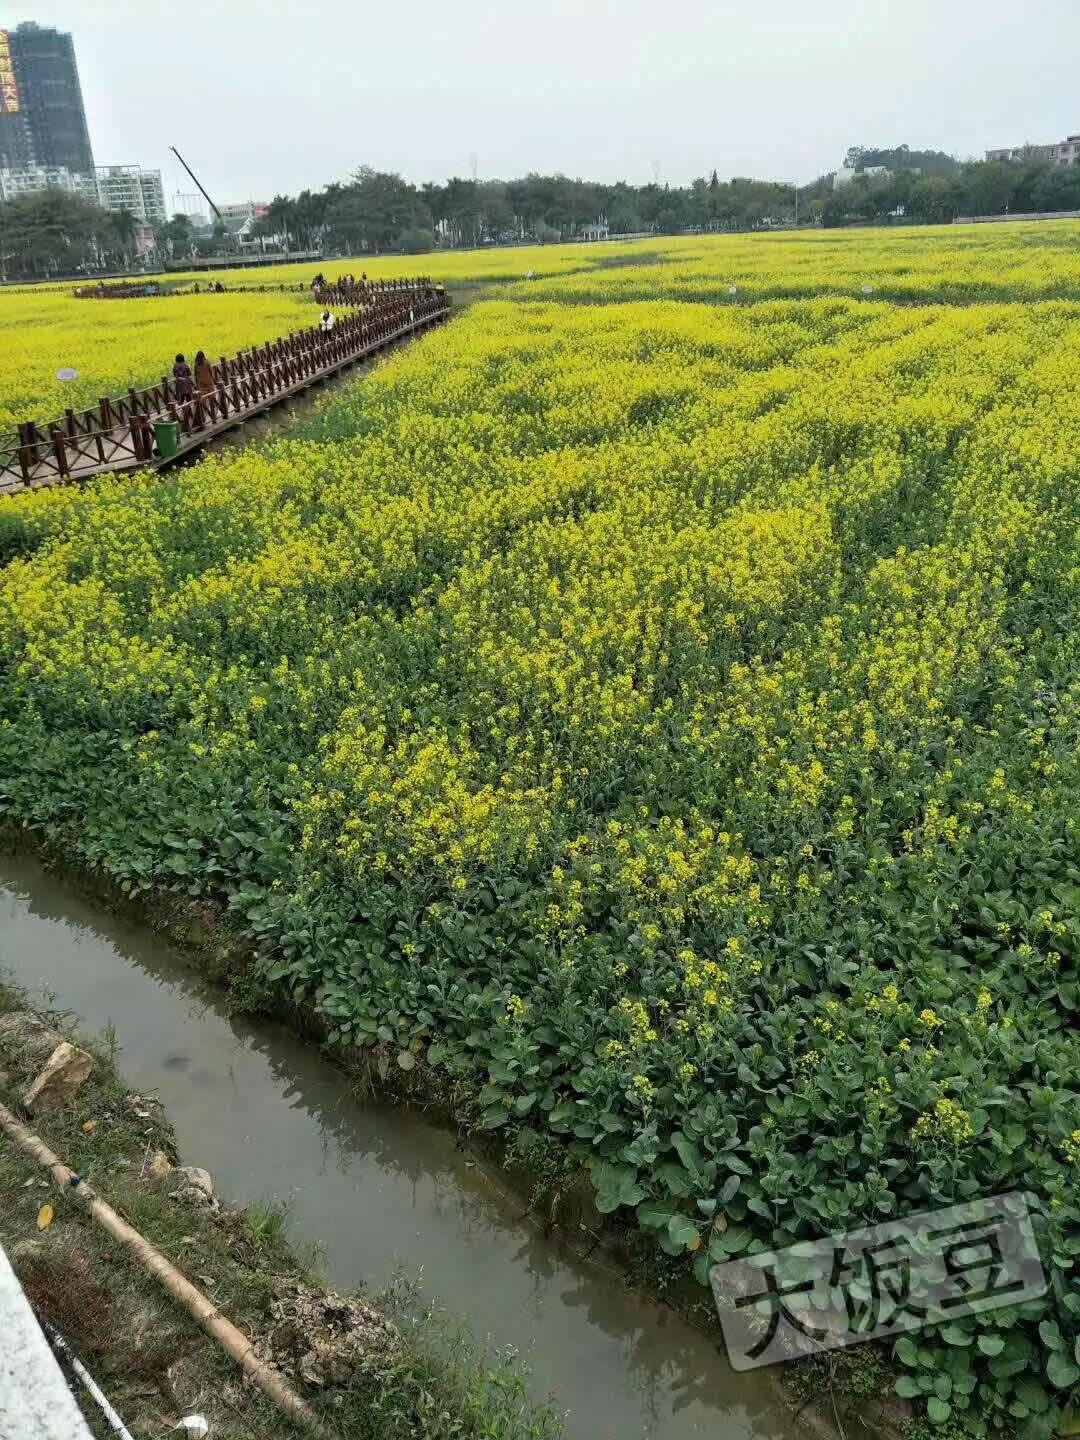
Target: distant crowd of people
[(347, 284)]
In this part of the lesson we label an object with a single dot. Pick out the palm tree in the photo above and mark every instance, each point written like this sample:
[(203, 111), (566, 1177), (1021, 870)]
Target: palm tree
[(280, 219)]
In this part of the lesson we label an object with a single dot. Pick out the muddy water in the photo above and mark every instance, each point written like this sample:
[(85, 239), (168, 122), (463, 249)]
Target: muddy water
[(376, 1188)]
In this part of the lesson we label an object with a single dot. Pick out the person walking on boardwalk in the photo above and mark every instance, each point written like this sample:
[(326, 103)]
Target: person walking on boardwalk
[(326, 322), (204, 376), (185, 390)]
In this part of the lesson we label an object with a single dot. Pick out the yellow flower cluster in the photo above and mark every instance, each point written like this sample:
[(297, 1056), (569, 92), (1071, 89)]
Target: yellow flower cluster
[(947, 1122)]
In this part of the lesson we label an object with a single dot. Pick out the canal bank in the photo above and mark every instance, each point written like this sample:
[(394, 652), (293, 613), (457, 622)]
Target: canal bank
[(380, 1190)]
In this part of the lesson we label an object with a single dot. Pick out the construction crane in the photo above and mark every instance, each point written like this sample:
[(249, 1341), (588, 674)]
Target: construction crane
[(198, 182)]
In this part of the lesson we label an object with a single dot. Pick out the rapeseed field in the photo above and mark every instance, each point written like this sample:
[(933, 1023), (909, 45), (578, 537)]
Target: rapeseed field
[(659, 714), (114, 344)]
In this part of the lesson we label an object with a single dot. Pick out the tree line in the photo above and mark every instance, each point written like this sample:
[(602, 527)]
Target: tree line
[(54, 232), (378, 211), (935, 193)]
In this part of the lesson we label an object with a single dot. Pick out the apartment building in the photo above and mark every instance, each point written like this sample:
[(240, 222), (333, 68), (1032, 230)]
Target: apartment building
[(113, 187), (1062, 152)]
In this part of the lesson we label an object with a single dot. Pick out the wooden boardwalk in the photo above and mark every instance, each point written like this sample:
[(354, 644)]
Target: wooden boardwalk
[(118, 435)]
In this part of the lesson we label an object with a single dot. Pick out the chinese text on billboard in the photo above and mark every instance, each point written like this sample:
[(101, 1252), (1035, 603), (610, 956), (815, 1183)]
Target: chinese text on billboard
[(9, 88)]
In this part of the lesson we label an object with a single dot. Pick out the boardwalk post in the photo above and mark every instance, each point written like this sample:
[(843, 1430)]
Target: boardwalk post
[(27, 448), (60, 451)]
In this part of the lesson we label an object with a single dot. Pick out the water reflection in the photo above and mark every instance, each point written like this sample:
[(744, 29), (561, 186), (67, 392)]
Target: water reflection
[(374, 1188)]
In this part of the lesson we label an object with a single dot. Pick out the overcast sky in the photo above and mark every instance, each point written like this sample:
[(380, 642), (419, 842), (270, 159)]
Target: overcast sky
[(268, 96)]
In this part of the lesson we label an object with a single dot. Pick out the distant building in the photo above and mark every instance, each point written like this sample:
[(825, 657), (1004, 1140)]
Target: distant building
[(245, 210), (42, 117), (238, 228), (153, 196), (1063, 152), (130, 187), (240, 221), (113, 187)]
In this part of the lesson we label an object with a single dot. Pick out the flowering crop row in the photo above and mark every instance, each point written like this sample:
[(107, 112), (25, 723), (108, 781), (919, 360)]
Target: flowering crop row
[(1037, 261), (664, 717)]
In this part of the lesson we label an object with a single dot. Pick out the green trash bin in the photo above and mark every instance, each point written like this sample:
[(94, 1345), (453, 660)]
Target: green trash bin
[(167, 437)]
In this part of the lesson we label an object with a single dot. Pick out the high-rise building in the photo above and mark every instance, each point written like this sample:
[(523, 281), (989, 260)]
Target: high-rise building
[(153, 196), (44, 142), (42, 119)]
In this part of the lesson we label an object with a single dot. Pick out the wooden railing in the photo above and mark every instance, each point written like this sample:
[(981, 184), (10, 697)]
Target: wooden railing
[(118, 433)]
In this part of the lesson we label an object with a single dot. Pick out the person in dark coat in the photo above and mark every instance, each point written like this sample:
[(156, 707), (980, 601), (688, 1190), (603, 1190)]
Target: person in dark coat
[(185, 390)]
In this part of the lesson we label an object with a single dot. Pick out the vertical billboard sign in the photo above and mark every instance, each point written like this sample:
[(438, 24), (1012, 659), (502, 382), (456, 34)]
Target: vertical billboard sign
[(9, 86)]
